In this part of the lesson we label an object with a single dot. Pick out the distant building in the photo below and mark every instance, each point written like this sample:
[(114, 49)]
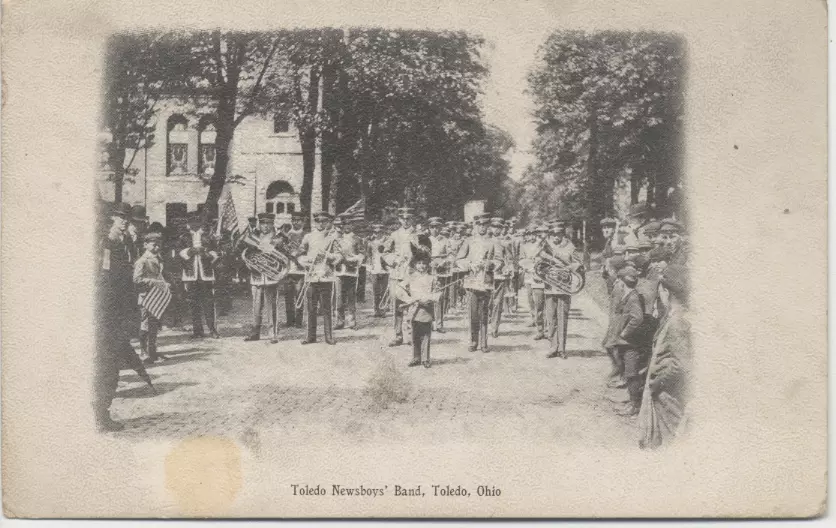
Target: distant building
[(173, 174)]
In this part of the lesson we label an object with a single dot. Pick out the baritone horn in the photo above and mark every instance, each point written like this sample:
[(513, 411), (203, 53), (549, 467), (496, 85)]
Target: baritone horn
[(273, 264), (554, 272)]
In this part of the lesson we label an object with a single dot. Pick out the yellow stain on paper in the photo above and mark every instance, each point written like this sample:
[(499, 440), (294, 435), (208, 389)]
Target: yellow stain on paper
[(204, 474)]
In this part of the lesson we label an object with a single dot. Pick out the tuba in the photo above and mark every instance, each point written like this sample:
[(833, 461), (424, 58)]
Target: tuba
[(554, 272), (273, 264)]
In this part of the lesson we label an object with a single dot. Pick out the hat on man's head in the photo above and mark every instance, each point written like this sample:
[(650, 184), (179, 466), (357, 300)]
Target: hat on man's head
[(435, 221), (121, 209), (252, 219), (339, 221), (628, 273), (138, 213), (675, 279), (618, 250), (377, 227), (323, 215), (645, 243), (558, 227), (266, 217), (671, 226), (152, 236), (406, 212), (497, 222), (608, 222), (156, 227), (297, 215)]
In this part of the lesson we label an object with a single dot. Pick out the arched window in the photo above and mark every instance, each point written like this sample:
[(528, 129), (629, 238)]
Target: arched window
[(177, 145), (206, 146), (281, 123), (280, 198)]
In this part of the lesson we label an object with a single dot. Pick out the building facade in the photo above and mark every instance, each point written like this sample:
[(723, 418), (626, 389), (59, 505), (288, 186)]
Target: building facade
[(172, 175)]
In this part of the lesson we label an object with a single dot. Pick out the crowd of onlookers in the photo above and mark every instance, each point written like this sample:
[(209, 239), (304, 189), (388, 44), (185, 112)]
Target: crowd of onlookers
[(645, 265)]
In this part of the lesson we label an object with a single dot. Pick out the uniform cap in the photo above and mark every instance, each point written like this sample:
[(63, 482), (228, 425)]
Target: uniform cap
[(266, 217), (608, 222), (121, 209), (404, 212), (152, 236), (497, 222), (323, 215), (435, 221)]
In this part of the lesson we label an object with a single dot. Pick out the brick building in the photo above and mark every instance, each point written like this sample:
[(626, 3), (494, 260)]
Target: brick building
[(173, 173)]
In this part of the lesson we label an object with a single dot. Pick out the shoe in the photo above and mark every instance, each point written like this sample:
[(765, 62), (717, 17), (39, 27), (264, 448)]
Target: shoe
[(161, 357), (564, 355), (440, 330), (331, 341), (339, 327), (198, 336), (553, 355), (486, 350), (308, 341), (471, 348), (414, 363), (617, 384), (426, 364), (628, 410), (109, 425), (538, 337), (619, 399), (274, 340), (396, 342), (495, 334), (148, 361), (215, 335), (252, 338)]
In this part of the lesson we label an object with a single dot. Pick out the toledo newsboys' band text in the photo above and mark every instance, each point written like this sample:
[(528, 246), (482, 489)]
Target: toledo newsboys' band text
[(397, 490), (419, 271)]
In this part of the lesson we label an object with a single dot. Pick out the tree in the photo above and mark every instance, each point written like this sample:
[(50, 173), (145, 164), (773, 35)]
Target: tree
[(138, 70), (609, 109)]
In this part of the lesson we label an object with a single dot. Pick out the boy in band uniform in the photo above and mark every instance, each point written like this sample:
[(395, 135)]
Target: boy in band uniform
[(377, 268), (419, 292), (398, 249), (351, 252), (316, 253), (476, 256), (440, 268), (199, 255), (265, 290)]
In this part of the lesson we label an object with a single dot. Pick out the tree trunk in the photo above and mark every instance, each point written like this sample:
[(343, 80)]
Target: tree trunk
[(307, 139), (635, 187), (117, 161)]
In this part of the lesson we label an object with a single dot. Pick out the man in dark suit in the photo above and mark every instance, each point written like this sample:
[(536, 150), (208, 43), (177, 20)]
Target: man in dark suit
[(625, 337), (198, 252)]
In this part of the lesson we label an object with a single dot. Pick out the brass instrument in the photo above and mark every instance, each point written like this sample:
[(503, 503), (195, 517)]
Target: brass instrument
[(273, 264), (554, 273), (317, 270)]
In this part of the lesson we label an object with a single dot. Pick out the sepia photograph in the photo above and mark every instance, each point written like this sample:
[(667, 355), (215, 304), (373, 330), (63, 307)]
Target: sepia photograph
[(354, 266)]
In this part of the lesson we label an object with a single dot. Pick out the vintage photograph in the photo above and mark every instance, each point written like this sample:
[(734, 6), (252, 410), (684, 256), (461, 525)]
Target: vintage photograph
[(324, 226)]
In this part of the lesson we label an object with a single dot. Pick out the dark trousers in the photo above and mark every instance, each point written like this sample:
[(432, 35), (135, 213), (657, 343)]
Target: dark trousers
[(266, 295), (379, 283), (537, 303), (634, 362), (202, 303), (440, 307), (452, 292), (557, 312), (361, 285), (149, 327), (107, 363), (319, 293), (347, 300), (497, 302), (292, 287), (398, 318), (421, 333), (478, 302)]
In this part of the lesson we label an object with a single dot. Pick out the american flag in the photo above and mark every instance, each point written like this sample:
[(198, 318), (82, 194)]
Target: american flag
[(156, 300), (355, 213), (227, 217)]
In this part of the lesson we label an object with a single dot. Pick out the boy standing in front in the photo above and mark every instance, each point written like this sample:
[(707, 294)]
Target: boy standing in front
[(148, 274)]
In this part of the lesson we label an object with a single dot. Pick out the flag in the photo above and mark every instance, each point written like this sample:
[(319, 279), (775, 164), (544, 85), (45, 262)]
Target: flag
[(227, 217), (156, 300), (355, 213)]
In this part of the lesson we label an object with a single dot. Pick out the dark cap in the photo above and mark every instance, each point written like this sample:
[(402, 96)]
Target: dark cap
[(339, 221), (138, 213), (266, 217), (435, 221), (323, 215), (152, 236), (675, 279), (671, 226), (406, 212), (297, 215), (628, 273), (121, 209), (497, 222), (608, 222)]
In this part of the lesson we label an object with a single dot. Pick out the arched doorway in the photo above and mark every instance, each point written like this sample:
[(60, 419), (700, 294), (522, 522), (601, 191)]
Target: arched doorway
[(280, 198)]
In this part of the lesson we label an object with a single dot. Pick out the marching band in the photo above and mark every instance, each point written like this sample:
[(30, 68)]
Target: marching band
[(421, 275)]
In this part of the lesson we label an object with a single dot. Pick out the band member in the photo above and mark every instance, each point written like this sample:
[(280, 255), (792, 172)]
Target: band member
[(420, 292), (377, 268), (628, 315), (529, 252), (265, 290), (316, 253), (557, 303), (350, 248), (398, 249), (440, 269), (500, 275), (197, 251), (296, 276), (476, 255), (454, 243), (148, 274)]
